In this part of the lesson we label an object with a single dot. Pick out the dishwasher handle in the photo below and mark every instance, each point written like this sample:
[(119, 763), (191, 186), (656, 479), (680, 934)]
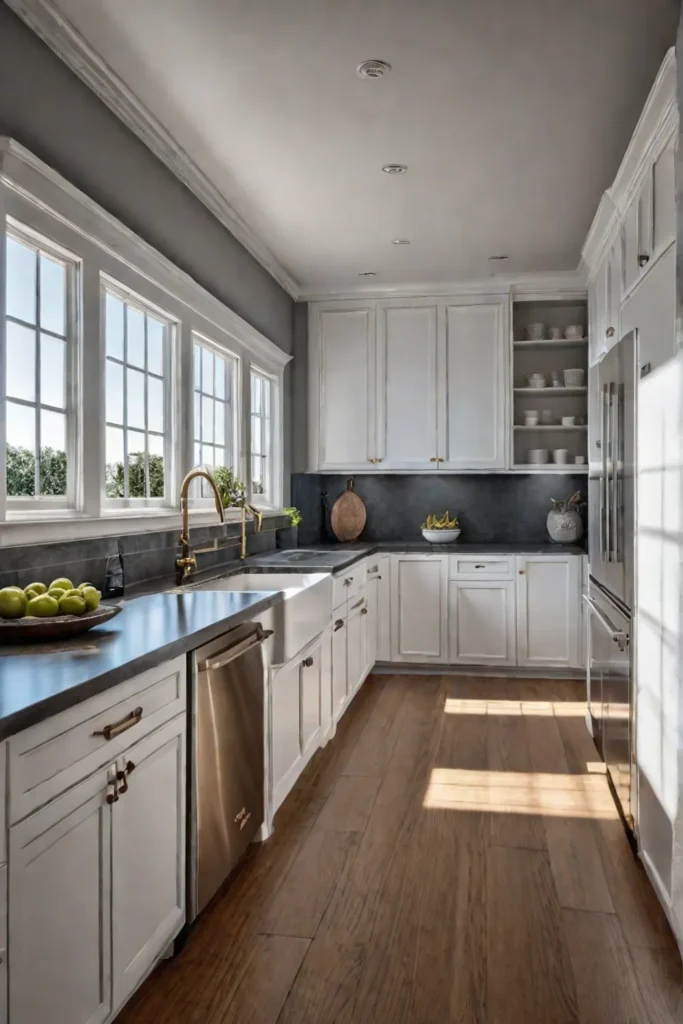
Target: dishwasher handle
[(235, 651), (621, 638)]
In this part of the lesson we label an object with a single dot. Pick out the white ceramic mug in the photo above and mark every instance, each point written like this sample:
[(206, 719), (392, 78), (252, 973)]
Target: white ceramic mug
[(560, 456), (538, 456), (568, 421), (580, 460), (531, 419), (555, 333)]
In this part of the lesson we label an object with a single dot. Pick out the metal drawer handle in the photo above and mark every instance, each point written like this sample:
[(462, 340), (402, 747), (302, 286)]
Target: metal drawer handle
[(339, 624), (110, 731), (620, 638), (122, 776), (480, 566), (307, 662)]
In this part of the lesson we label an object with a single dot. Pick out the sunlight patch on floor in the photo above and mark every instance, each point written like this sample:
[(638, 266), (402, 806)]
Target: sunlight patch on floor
[(517, 708), (540, 793)]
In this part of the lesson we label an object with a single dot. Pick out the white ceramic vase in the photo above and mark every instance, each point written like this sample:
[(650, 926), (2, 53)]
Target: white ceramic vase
[(564, 527)]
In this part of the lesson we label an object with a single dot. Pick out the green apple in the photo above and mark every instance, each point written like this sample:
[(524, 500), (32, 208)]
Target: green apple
[(43, 606), (38, 588), (71, 604), (91, 596), (63, 583), (12, 603)]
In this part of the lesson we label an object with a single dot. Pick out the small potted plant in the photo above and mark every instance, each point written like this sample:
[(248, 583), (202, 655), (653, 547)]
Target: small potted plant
[(288, 536), (230, 487), (440, 531)]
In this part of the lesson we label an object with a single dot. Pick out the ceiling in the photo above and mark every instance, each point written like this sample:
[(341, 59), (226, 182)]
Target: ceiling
[(512, 116)]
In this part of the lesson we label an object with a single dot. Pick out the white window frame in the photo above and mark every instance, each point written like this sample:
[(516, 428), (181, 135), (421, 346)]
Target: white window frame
[(272, 498), (139, 302), (231, 422), (35, 196), (25, 235)]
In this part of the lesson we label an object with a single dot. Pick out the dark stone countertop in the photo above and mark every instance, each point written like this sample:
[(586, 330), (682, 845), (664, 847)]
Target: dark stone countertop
[(41, 680), (336, 557)]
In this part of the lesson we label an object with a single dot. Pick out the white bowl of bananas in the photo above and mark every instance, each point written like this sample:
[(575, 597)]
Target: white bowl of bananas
[(441, 531)]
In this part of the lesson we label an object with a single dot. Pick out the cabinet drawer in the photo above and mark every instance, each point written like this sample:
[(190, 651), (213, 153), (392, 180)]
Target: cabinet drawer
[(348, 583), (500, 567), (50, 757)]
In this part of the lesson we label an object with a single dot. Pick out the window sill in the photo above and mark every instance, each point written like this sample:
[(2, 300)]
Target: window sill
[(50, 526)]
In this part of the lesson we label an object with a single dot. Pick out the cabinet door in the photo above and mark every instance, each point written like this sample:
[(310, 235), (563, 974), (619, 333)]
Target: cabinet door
[(472, 387), (372, 625), (60, 909), (148, 855), (356, 644), (343, 365), (339, 666), (419, 608), (285, 730), (548, 610), (310, 682), (664, 198), (481, 622), (326, 712), (384, 610), (631, 245), (407, 377)]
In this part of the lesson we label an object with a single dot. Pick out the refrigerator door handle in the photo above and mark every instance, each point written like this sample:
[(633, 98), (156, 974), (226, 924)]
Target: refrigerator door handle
[(614, 472), (604, 479), (620, 638)]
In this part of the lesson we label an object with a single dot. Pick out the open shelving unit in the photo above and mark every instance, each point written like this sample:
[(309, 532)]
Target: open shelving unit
[(545, 356)]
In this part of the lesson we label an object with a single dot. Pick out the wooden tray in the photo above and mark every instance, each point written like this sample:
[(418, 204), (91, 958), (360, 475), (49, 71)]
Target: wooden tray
[(348, 515), (31, 629)]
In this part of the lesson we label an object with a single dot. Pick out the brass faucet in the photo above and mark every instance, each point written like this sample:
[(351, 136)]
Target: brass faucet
[(258, 519), (187, 562)]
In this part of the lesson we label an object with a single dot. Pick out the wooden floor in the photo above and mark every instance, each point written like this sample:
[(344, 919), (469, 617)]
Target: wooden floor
[(454, 854)]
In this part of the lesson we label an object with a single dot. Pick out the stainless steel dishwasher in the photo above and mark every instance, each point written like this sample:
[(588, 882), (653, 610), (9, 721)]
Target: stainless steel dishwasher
[(226, 799)]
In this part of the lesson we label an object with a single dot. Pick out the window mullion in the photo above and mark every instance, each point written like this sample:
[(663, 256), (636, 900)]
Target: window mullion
[(3, 348), (90, 399), (36, 369)]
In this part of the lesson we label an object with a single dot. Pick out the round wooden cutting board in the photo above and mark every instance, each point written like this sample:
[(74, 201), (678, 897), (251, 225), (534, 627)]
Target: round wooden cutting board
[(348, 515)]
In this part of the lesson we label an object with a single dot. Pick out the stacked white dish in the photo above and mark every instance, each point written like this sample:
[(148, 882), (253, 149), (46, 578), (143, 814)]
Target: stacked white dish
[(538, 456), (536, 380)]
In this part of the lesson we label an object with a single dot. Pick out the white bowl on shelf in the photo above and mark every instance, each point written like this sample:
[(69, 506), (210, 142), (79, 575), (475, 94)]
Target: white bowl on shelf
[(575, 332), (536, 380), (535, 332), (538, 456), (574, 378), (441, 536)]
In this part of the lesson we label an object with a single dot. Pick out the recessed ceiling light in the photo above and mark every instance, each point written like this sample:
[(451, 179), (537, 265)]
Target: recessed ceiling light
[(373, 69), (395, 168), (367, 273), (499, 257), (400, 241)]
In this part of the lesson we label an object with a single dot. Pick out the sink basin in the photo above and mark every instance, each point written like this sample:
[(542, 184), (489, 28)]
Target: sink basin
[(305, 611)]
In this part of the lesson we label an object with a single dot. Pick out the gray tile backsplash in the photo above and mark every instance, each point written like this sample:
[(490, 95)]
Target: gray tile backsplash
[(492, 508), (145, 556)]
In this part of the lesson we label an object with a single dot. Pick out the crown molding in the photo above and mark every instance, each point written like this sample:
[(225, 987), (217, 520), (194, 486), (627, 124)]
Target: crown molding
[(41, 185), (656, 124), (48, 22), (568, 284)]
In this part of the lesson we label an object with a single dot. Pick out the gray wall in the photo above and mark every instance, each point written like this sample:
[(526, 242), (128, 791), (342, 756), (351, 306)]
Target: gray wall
[(47, 108)]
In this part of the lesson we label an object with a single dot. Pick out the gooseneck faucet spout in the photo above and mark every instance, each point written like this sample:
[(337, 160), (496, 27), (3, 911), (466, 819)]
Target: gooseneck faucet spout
[(187, 561)]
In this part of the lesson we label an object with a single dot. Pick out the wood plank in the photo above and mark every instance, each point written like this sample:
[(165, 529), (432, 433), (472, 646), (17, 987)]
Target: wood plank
[(529, 975), (373, 750), (508, 751), (574, 857), (660, 979), (606, 987), (258, 994), (350, 804), (299, 904)]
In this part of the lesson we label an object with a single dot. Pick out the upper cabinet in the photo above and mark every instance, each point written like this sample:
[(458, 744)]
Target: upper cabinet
[(664, 198), (408, 384), (343, 359), (472, 386), (407, 356)]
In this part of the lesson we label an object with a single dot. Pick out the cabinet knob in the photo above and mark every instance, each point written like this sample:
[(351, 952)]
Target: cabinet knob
[(440, 460), (348, 581), (339, 624), (307, 662), (364, 611), (643, 259), (610, 332), (521, 572)]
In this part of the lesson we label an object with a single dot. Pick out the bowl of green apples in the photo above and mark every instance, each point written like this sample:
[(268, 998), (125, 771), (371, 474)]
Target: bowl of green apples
[(41, 612)]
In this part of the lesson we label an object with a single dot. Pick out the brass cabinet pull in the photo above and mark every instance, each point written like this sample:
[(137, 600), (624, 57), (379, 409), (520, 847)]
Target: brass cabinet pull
[(433, 459), (440, 460), (112, 792), (521, 572), (307, 662), (339, 624), (122, 776), (110, 731)]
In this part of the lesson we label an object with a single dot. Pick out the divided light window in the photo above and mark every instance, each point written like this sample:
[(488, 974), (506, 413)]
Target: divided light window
[(40, 343), (138, 398), (262, 471)]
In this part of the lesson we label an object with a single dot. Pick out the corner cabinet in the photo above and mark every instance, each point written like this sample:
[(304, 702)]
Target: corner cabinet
[(408, 385)]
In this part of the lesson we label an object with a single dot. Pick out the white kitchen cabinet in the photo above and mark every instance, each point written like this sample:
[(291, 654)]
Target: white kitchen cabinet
[(60, 906), (285, 749), (310, 696), (651, 308), (471, 392), (638, 233), (148, 855), (548, 611), (326, 709), (419, 608), (356, 643), (407, 342), (481, 622), (664, 198), (343, 364), (340, 675), (382, 565), (372, 625)]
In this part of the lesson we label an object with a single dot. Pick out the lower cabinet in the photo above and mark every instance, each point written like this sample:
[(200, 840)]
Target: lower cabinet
[(340, 675), (97, 889), (419, 608), (548, 611), (372, 625), (356, 644), (481, 622), (295, 718)]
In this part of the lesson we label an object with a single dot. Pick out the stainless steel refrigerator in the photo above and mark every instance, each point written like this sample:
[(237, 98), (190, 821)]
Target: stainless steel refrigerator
[(611, 522)]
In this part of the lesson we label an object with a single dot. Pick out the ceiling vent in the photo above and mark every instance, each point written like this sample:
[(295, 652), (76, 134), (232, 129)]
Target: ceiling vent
[(395, 168), (373, 69)]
